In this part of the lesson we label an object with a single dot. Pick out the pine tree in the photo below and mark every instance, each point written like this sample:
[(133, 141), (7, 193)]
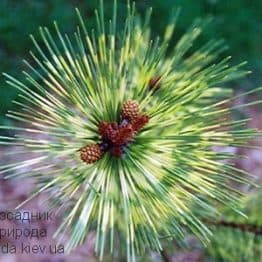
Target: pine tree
[(130, 127)]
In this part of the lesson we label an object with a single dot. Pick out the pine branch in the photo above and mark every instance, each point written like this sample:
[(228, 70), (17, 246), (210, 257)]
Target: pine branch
[(122, 133), (165, 256), (252, 228)]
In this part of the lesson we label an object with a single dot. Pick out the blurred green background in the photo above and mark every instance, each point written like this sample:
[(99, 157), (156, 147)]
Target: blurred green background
[(237, 21)]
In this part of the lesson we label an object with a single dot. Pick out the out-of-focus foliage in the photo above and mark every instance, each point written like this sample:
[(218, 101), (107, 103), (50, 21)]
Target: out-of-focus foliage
[(231, 244), (237, 21)]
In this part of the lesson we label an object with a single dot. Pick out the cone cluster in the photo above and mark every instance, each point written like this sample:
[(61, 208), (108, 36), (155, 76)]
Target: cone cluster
[(116, 136)]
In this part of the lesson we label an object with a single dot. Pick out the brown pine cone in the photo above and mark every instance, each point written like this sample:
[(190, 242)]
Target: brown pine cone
[(123, 135), (154, 83), (107, 129), (91, 153), (130, 110), (139, 122)]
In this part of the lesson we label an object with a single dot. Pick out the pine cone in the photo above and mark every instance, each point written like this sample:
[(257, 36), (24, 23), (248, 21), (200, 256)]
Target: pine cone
[(123, 135), (154, 83), (90, 153), (130, 110), (139, 122), (107, 129)]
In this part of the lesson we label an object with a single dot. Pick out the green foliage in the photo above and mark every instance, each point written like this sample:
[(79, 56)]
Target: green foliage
[(237, 21), (74, 83), (233, 244)]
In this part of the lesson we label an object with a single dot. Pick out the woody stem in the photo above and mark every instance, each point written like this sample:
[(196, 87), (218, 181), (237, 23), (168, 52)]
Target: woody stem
[(252, 228)]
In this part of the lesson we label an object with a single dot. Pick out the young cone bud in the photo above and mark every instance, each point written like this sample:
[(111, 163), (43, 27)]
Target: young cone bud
[(107, 129), (130, 110), (90, 153), (139, 122), (154, 83)]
